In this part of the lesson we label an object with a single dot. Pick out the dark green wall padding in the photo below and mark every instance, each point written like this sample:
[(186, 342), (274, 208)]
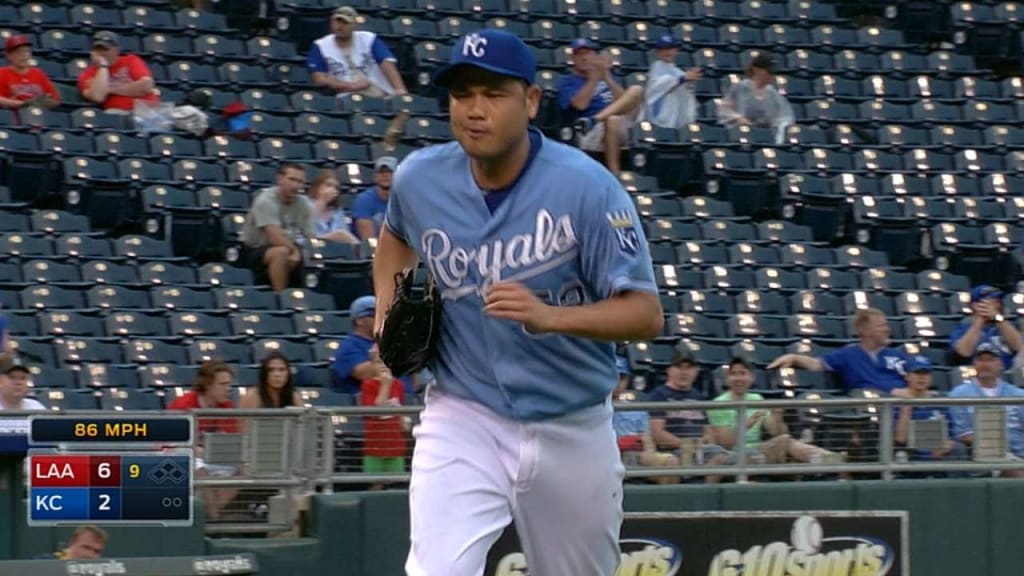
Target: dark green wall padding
[(957, 527)]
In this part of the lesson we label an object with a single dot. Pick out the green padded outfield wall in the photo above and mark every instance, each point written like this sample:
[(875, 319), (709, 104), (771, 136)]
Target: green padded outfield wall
[(957, 527)]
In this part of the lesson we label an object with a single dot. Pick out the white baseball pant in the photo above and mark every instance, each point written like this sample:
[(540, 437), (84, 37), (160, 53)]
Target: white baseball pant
[(474, 472)]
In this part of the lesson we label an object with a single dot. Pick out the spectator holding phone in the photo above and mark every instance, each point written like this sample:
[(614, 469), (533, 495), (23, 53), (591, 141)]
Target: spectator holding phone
[(986, 325)]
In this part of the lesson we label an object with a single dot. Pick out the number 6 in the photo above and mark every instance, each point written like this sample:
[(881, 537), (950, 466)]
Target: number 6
[(103, 470)]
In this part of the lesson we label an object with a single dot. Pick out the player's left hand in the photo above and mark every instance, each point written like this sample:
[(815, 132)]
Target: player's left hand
[(513, 301)]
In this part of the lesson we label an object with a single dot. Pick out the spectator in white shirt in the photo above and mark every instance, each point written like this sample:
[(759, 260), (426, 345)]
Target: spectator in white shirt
[(354, 61), (14, 382), (755, 101)]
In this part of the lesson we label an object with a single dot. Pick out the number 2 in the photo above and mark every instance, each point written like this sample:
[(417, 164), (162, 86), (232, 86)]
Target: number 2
[(104, 503)]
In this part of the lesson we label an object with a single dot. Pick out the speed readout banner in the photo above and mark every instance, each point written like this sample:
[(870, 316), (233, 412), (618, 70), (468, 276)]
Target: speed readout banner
[(136, 488)]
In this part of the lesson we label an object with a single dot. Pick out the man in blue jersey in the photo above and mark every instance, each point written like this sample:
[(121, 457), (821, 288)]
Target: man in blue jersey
[(986, 325), (370, 205), (989, 383), (357, 358), (587, 91), (870, 363), (542, 264)]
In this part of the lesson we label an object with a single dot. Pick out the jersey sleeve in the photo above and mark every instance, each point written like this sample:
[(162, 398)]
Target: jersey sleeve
[(380, 51), (613, 248), (394, 218), (345, 361), (48, 86), (961, 417), (835, 361), (137, 68), (957, 333), (315, 60), (85, 77), (567, 88)]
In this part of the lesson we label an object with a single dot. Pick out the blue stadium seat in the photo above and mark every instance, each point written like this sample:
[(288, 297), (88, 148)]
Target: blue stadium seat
[(116, 297)]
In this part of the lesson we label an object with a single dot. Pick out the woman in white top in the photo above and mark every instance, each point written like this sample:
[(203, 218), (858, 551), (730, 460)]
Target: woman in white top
[(755, 101), (328, 218)]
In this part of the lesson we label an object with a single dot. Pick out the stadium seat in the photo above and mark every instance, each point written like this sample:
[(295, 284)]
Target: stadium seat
[(116, 297), (180, 298), (135, 324), (49, 272), (202, 350)]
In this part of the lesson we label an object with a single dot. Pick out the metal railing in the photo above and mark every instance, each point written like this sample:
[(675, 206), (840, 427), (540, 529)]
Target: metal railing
[(270, 461)]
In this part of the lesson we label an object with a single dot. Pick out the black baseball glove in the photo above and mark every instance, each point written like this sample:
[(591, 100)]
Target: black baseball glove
[(412, 326)]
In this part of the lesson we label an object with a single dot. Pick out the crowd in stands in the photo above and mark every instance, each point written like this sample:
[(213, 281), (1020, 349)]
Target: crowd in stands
[(282, 220)]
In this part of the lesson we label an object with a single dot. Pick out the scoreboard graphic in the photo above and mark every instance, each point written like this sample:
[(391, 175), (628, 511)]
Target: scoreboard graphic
[(140, 485)]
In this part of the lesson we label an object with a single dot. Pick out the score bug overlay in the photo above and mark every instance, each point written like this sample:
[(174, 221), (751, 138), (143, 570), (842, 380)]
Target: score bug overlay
[(99, 488), (157, 430)]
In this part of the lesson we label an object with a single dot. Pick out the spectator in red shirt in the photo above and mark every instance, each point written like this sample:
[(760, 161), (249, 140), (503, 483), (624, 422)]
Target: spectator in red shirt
[(22, 84), (212, 389), (384, 443), (115, 81)]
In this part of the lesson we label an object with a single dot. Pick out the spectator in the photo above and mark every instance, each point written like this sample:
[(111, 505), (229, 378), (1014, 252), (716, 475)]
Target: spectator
[(14, 385), (668, 96), (328, 217), (684, 433), (869, 363), (633, 431), (781, 446), (115, 80), (87, 542), (350, 61), (384, 443), (756, 102), (212, 389), (276, 388), (22, 84), (589, 90), (989, 384), (6, 345), (370, 204), (277, 228), (357, 359), (986, 325), (919, 381)]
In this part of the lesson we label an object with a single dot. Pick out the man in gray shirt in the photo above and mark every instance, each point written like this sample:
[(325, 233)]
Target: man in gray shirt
[(279, 224)]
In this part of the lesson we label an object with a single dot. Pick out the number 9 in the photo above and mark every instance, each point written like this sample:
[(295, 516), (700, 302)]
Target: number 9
[(133, 470), (103, 470)]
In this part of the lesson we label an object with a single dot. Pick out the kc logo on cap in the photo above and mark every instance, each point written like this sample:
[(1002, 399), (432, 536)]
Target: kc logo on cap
[(474, 45)]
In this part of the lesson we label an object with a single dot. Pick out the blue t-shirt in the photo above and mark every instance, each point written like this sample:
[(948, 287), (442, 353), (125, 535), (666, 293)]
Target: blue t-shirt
[(858, 369), (335, 221), (631, 423), (681, 423), (570, 84), (568, 232), (354, 350), (989, 335), (369, 205)]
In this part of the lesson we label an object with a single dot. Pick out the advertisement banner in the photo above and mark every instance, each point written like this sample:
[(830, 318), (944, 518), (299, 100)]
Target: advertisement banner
[(746, 544)]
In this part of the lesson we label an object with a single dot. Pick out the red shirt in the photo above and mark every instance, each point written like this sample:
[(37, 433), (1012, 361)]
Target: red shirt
[(383, 436), (128, 68), (34, 82), (190, 401)]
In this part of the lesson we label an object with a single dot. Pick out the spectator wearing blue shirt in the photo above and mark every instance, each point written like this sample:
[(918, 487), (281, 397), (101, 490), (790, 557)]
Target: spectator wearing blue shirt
[(357, 358), (986, 325), (674, 429), (870, 363), (370, 205), (329, 218), (919, 381), (988, 383), (588, 90)]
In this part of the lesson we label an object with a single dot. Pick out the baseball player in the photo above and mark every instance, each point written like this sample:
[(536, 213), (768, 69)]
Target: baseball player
[(542, 265)]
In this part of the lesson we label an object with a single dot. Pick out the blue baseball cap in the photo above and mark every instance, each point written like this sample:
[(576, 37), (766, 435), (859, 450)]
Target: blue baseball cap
[(987, 348), (667, 41), (494, 50), (584, 44), (985, 292), (918, 364), (363, 307), (622, 365)]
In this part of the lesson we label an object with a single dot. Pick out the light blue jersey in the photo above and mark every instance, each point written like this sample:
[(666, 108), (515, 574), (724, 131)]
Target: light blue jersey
[(567, 230)]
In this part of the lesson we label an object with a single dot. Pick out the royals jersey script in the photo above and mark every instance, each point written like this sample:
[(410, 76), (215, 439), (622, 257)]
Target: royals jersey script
[(567, 230)]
